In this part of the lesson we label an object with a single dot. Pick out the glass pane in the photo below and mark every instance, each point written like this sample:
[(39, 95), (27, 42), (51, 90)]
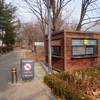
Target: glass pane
[(89, 50), (78, 51), (95, 50), (56, 50), (77, 42)]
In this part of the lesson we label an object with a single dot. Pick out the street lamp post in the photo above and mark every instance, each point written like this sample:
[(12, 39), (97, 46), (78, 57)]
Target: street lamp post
[(49, 3), (49, 38)]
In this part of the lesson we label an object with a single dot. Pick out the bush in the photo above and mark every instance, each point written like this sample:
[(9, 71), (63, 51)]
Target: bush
[(89, 78), (61, 87), (69, 78), (6, 49), (93, 72)]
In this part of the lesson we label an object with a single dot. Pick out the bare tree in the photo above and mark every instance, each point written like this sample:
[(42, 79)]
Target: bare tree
[(38, 36), (31, 32), (87, 7), (57, 8), (27, 32), (70, 25), (39, 9)]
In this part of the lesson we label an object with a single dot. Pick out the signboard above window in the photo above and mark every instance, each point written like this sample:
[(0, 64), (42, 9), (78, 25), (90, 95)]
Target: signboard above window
[(92, 42), (76, 42)]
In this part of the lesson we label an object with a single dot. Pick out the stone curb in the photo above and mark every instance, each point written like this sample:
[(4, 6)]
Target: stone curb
[(44, 67)]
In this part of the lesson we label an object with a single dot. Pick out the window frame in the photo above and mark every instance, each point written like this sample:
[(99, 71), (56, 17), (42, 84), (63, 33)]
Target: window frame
[(95, 48)]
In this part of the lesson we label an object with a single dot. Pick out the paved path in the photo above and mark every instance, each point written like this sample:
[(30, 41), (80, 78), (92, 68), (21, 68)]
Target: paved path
[(30, 90), (7, 61)]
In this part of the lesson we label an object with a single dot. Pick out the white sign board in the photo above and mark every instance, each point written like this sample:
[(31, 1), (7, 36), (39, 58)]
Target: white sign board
[(39, 43)]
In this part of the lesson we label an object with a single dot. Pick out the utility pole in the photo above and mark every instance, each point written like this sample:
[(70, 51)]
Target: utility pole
[(49, 3), (49, 38)]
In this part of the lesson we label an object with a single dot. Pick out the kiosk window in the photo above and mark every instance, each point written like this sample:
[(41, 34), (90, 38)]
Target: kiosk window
[(56, 50), (84, 48)]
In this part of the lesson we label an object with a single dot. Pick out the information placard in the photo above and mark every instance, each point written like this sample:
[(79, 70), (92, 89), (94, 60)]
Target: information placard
[(27, 69)]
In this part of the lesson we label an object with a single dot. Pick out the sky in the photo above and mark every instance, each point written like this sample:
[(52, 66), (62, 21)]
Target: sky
[(24, 16), (21, 13)]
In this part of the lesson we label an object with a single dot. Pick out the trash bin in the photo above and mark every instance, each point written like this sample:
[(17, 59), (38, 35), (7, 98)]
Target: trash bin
[(27, 69)]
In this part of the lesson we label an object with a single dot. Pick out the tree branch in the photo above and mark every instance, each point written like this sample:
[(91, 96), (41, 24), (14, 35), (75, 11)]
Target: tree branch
[(91, 22), (91, 18)]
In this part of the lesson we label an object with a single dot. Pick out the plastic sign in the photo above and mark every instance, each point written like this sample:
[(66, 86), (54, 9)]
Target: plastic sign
[(86, 42), (27, 67)]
